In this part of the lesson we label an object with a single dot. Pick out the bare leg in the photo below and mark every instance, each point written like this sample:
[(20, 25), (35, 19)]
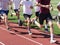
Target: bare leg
[(6, 21), (51, 32), (28, 26)]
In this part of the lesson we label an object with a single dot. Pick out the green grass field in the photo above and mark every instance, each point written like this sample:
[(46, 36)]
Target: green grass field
[(54, 12)]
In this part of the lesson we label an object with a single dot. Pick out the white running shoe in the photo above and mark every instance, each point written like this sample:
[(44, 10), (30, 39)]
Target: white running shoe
[(52, 41), (30, 33)]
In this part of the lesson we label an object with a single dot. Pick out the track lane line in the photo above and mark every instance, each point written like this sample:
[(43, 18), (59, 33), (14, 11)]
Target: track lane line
[(2, 43), (22, 36)]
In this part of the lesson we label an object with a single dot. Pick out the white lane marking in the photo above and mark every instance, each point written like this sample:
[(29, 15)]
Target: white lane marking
[(2, 43), (22, 36), (30, 39)]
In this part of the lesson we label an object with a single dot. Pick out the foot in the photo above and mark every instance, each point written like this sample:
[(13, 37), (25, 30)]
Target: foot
[(30, 33), (8, 28), (52, 41), (46, 30), (20, 23)]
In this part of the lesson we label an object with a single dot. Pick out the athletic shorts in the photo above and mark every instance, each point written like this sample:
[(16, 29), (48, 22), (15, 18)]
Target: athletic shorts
[(43, 17), (16, 10), (4, 12), (37, 13), (27, 16)]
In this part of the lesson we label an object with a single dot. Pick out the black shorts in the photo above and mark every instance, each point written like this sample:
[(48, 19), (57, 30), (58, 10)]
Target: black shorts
[(27, 16), (4, 12), (43, 17), (16, 10), (37, 13)]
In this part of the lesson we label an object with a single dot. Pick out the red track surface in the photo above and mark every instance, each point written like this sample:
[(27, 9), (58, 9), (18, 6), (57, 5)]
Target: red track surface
[(19, 36)]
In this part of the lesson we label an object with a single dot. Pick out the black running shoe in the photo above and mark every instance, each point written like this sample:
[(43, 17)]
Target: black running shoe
[(9, 29), (20, 23), (46, 30)]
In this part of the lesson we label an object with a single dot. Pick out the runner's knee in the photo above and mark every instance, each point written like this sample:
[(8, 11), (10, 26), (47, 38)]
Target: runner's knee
[(50, 23)]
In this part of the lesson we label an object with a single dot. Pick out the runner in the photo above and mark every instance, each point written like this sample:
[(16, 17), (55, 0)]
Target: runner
[(4, 9), (37, 9), (16, 4), (37, 13), (27, 12), (58, 17), (45, 15)]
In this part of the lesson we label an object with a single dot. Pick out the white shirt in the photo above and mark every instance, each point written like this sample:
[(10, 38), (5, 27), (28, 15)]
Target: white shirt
[(30, 0), (26, 7), (59, 14), (0, 4), (37, 8), (4, 4), (58, 3), (16, 4)]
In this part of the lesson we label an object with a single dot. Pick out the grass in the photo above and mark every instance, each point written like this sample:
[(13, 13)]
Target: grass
[(54, 12)]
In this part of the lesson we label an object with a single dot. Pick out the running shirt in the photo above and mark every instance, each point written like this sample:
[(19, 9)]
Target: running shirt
[(4, 4), (16, 4), (59, 14), (58, 3), (0, 4), (30, 0), (26, 7), (37, 8), (42, 9)]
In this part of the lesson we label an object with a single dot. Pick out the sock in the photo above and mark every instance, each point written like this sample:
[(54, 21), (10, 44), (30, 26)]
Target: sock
[(46, 27), (18, 20), (51, 36), (29, 31)]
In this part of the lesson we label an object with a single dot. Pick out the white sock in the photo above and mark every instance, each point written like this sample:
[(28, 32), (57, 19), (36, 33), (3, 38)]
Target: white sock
[(46, 26), (29, 31), (51, 36), (18, 20)]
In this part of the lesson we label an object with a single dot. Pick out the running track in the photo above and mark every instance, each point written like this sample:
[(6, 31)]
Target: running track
[(19, 36)]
